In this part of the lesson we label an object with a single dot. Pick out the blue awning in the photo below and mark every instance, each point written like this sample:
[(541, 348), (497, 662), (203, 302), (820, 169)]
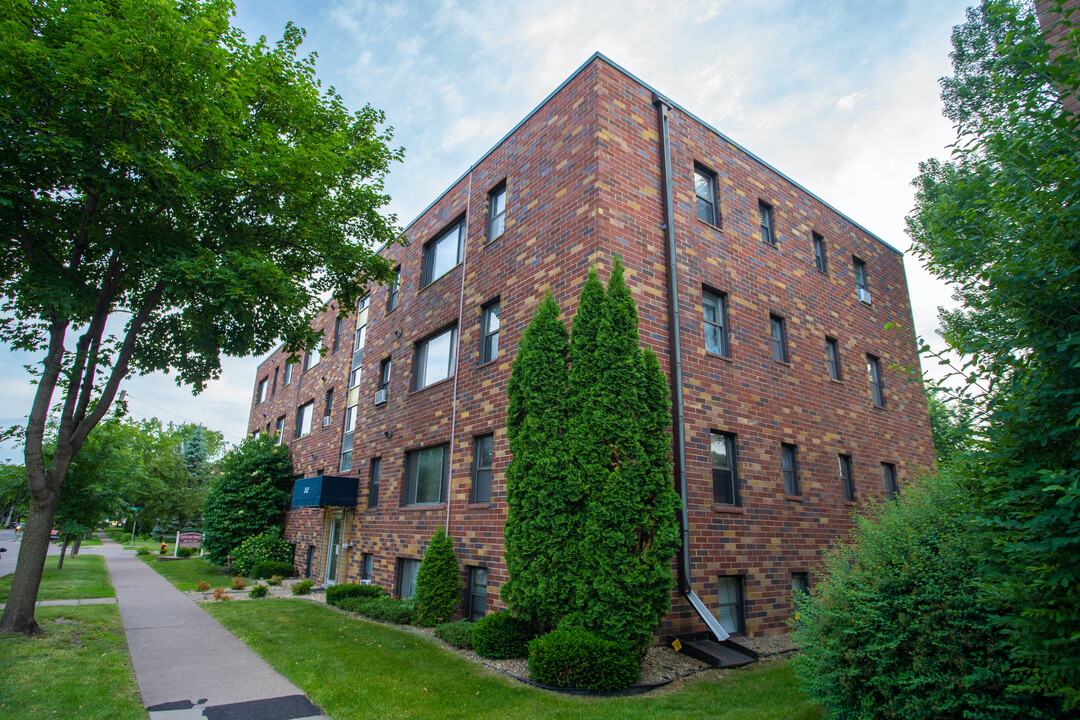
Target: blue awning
[(325, 491)]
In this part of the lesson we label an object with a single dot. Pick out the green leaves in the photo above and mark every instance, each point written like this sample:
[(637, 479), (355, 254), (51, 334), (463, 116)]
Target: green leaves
[(438, 586)]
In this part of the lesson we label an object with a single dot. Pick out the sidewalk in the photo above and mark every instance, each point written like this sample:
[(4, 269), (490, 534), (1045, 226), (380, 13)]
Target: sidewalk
[(188, 666)]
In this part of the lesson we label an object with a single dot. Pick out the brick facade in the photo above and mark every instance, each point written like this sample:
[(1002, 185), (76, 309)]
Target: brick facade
[(583, 179)]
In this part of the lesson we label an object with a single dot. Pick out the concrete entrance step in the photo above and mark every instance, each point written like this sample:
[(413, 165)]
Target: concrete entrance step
[(722, 655)]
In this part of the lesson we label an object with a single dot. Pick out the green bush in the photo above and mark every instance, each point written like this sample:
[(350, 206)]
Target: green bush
[(387, 609), (265, 547), (259, 591), (303, 587), (270, 568), (274, 580), (336, 593), (438, 585), (575, 658), (186, 552), (142, 551), (502, 635), (459, 634)]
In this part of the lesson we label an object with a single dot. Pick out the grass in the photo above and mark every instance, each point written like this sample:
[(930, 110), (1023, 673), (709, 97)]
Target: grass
[(80, 668), (141, 541), (186, 573), (357, 669), (83, 576), (91, 541)]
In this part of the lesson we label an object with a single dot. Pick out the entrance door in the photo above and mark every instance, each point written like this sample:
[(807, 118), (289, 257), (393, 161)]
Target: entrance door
[(333, 547)]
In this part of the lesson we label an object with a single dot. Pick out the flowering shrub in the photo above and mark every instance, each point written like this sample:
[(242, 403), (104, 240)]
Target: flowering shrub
[(265, 547)]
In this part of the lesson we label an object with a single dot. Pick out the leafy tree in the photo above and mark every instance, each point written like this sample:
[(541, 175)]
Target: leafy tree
[(165, 179), (179, 471), (952, 426), (438, 585), (249, 495), (13, 492), (1000, 222)]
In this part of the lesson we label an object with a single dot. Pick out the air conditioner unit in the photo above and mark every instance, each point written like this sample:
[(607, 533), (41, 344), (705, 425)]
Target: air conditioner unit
[(326, 421), (864, 295), (380, 397), (365, 582)]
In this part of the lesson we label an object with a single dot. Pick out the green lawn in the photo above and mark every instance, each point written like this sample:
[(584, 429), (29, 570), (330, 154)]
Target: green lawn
[(141, 541), (80, 668), (186, 573), (91, 541), (83, 576), (357, 669)]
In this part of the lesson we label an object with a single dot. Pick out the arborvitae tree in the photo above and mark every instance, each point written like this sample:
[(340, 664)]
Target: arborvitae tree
[(438, 585), (538, 532)]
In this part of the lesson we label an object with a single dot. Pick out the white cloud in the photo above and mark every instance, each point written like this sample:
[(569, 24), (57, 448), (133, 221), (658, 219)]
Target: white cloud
[(847, 103)]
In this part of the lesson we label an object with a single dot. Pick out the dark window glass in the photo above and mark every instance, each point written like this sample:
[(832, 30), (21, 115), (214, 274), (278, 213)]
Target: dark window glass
[(778, 333), (366, 565), (819, 253), (328, 407), (489, 348), (789, 465), (373, 482), (483, 456), (716, 326), (273, 388), (288, 374), (862, 284), (406, 577), (496, 212), (724, 470), (888, 477), (877, 384), (476, 594), (800, 582), (765, 217), (434, 359), (337, 333), (425, 475), (303, 419), (832, 357), (730, 604), (260, 391), (383, 382), (392, 290), (705, 190), (442, 254), (847, 477)]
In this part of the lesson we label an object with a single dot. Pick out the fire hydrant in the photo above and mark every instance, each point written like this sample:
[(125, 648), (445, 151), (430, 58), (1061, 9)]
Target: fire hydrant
[(163, 548)]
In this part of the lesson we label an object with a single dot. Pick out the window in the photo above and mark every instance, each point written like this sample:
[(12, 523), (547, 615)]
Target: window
[(288, 375), (311, 359), (392, 290), (483, 454), (765, 217), (832, 357), (476, 594), (778, 332), (328, 406), (442, 254), (346, 461), (367, 561), (303, 419), (789, 466), (819, 253), (373, 483), (847, 477), (729, 609), (489, 346), (862, 285), (496, 212), (888, 477), (406, 577), (273, 388), (724, 470), (337, 333), (877, 384), (800, 582), (434, 359), (279, 427), (383, 381), (716, 325), (425, 475), (260, 391), (705, 189)]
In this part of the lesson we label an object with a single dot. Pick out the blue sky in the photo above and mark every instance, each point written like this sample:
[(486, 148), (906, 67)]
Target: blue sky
[(840, 96)]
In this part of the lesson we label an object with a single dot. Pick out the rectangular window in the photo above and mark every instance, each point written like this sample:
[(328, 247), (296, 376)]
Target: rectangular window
[(496, 212), (367, 562), (800, 582), (434, 358), (273, 388), (832, 357), (406, 577), (888, 478), (303, 419), (350, 418), (705, 190), (425, 475), (476, 594), (383, 382), (489, 346), (279, 427), (716, 325), (862, 284), (338, 323), (877, 384), (374, 480), (311, 359), (346, 461), (778, 333), (328, 405), (288, 375), (483, 456), (789, 466), (819, 253), (260, 391), (729, 609), (725, 475), (442, 254), (847, 477), (392, 290), (765, 217)]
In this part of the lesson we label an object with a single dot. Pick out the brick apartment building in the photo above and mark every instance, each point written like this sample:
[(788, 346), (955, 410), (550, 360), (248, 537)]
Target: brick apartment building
[(793, 415)]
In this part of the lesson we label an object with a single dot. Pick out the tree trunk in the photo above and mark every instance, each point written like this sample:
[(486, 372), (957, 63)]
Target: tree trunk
[(19, 612), (63, 550), (75, 547)]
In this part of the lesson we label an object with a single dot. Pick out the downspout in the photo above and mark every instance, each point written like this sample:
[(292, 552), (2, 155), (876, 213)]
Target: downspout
[(678, 426)]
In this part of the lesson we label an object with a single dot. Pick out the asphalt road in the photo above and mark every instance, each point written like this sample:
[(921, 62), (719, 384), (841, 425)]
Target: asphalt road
[(9, 558)]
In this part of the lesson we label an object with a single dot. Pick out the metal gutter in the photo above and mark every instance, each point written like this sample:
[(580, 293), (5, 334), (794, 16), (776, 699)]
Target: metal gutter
[(679, 422)]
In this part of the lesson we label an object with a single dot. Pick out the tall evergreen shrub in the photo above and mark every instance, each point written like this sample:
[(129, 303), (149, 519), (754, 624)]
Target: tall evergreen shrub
[(438, 585)]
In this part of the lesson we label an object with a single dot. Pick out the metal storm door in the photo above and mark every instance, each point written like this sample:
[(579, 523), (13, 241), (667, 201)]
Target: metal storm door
[(333, 548)]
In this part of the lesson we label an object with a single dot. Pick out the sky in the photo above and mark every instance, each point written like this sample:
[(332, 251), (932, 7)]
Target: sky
[(842, 97)]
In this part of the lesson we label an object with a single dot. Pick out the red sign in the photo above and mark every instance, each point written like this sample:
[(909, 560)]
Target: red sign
[(190, 540)]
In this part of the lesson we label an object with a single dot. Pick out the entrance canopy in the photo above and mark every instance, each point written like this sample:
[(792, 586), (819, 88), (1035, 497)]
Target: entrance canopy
[(325, 491)]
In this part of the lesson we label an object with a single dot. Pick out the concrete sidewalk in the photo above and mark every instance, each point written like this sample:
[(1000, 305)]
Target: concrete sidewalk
[(188, 666)]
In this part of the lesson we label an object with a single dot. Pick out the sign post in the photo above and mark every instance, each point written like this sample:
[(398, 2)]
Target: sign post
[(134, 510), (188, 540)]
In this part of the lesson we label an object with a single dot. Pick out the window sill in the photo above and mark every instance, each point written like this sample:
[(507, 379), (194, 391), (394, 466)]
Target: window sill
[(432, 385), (795, 498), (882, 408), (725, 358), (492, 241), (492, 361), (850, 503), (729, 509), (784, 363), (775, 244), (482, 506), (445, 274), (823, 273), (717, 228), (834, 380), (423, 508)]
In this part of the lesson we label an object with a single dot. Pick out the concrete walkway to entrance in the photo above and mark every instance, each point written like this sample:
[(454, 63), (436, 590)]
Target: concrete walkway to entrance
[(189, 667)]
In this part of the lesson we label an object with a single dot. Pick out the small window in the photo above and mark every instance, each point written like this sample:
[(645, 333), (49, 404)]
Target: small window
[(406, 577), (888, 478), (819, 253), (862, 284), (765, 217), (350, 419), (705, 189), (328, 405), (724, 470), (273, 388), (778, 333), (425, 476), (303, 419), (730, 604), (847, 477), (496, 212), (346, 461), (367, 562), (877, 384), (442, 254), (434, 359), (373, 482), (311, 359), (287, 378), (489, 346), (476, 594), (392, 290), (279, 428), (483, 455), (260, 391), (789, 467), (383, 382), (800, 582), (832, 357), (716, 325), (338, 324)]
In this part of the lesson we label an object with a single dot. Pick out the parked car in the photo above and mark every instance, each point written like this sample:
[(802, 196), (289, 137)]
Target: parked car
[(54, 534)]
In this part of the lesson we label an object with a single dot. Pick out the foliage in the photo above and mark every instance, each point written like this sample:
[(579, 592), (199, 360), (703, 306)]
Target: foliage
[(259, 591), (14, 495), (1000, 222), (459, 634), (274, 580), (249, 495), (575, 658), (202, 586), (438, 585), (265, 569), (303, 587), (337, 593), (238, 583), (266, 547), (953, 428), (186, 552), (179, 464), (142, 551), (386, 609), (502, 635)]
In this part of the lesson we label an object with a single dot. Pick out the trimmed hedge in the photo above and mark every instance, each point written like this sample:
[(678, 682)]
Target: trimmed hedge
[(575, 658), (387, 609), (502, 635), (267, 546), (459, 634), (270, 568), (303, 587), (336, 593), (438, 585)]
